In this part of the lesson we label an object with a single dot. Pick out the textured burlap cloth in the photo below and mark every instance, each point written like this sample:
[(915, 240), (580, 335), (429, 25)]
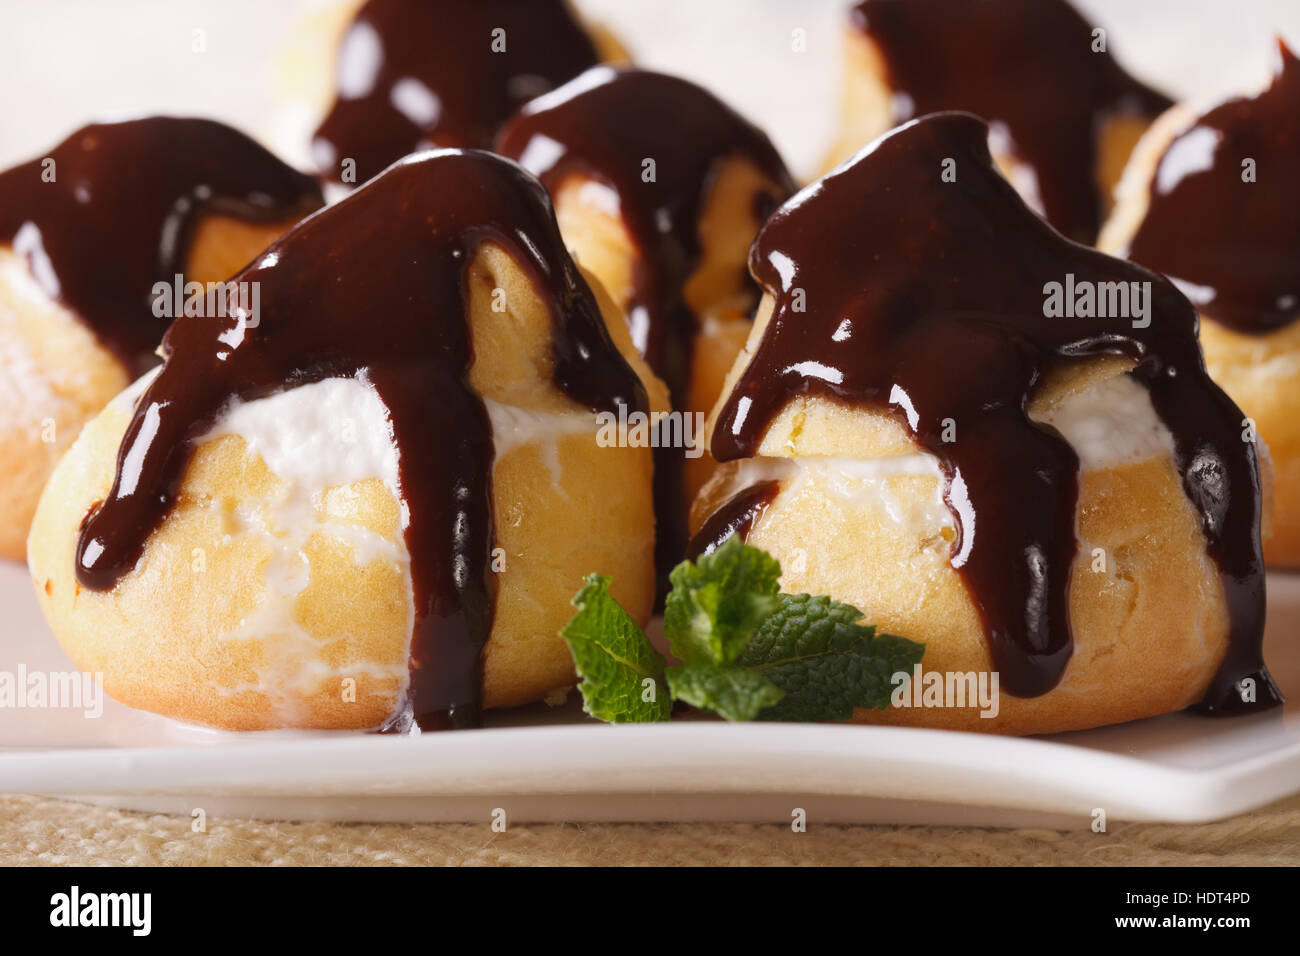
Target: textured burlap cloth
[(37, 831)]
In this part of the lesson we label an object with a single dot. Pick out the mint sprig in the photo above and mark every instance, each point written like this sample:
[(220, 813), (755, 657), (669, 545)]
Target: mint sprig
[(825, 661), (748, 652), (622, 673), (717, 603), (731, 692)]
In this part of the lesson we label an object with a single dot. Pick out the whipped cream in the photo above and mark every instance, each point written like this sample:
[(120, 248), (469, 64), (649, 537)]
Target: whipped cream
[(1111, 422), (320, 435)]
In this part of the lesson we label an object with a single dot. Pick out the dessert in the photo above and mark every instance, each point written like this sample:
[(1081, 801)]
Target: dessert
[(1212, 200), (86, 235), (371, 509), (410, 74), (1060, 495), (1064, 114), (659, 188)]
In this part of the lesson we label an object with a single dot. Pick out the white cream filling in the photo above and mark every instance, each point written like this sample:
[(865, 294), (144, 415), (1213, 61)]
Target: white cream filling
[(514, 427), (315, 437), (861, 482), (337, 431), (1111, 422), (27, 393), (327, 433)]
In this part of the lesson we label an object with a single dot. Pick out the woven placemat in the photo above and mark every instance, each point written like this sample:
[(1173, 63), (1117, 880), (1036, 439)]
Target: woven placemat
[(37, 831)]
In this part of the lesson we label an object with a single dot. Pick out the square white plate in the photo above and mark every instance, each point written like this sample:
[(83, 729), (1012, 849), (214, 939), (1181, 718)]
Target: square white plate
[(544, 763)]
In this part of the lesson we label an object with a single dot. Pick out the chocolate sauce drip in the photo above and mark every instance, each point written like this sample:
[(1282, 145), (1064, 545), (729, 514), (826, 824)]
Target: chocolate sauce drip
[(376, 287), (738, 515), (1233, 245), (604, 126), (416, 73), (119, 215), (925, 299), (1026, 65)]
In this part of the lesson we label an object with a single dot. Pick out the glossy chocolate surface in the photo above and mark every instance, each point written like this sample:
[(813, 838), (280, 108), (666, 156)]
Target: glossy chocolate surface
[(375, 287), (418, 73), (1026, 66), (605, 126), (1224, 214), (120, 212), (906, 294), (737, 515)]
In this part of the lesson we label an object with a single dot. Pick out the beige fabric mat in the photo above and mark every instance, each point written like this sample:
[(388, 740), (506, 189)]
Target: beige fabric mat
[(35, 831)]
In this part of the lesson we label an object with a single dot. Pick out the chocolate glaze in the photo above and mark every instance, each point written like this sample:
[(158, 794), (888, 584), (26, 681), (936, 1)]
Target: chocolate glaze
[(1235, 243), (414, 73), (603, 126), (375, 286), (925, 299), (120, 213), (1025, 64), (737, 515)]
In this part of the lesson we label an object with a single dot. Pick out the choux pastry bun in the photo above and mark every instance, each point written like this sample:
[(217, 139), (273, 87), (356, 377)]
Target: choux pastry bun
[(918, 427), (87, 235), (1212, 200), (1064, 114), (370, 508), (659, 188), (383, 78)]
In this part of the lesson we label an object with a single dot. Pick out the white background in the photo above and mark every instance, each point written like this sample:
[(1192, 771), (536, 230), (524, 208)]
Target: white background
[(66, 62)]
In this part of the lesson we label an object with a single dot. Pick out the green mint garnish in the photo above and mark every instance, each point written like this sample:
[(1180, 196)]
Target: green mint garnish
[(747, 650), (826, 662), (717, 603), (622, 674), (730, 692)]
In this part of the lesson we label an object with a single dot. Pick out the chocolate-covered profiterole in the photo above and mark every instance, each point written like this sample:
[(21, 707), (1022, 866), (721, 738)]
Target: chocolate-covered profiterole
[(415, 73), (1231, 240), (111, 210), (604, 126), (1027, 66), (922, 298), (376, 286)]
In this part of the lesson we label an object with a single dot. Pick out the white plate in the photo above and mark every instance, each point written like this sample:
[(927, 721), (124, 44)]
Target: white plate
[(554, 764)]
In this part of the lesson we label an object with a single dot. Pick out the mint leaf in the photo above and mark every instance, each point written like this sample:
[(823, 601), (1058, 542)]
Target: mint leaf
[(614, 659), (718, 602), (827, 663), (748, 651), (732, 692)]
